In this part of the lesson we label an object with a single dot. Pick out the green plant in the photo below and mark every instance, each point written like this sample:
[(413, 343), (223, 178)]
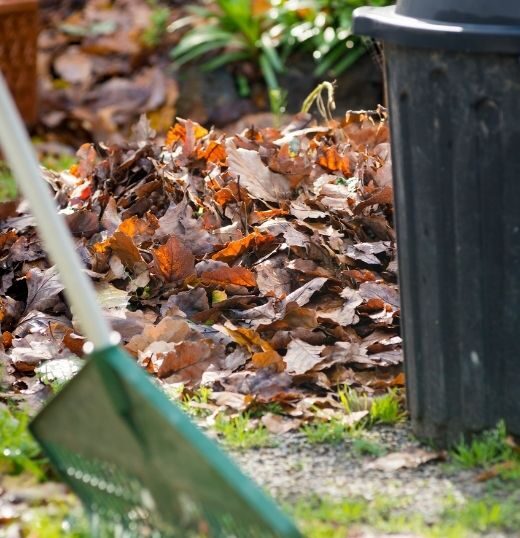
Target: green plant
[(257, 410), (194, 403), (328, 518), (158, 26), (331, 432), (386, 409), (484, 515), (7, 184), (267, 33), (59, 162), (352, 400), (365, 447), (19, 452), (484, 450), (56, 520), (238, 432), (323, 29), (235, 31)]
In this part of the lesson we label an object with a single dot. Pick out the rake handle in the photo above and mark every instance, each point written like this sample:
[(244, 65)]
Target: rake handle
[(52, 228)]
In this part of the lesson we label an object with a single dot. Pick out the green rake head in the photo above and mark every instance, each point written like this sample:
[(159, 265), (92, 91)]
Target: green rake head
[(139, 465)]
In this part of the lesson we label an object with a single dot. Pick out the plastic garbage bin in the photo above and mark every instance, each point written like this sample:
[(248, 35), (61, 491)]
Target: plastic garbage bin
[(453, 85)]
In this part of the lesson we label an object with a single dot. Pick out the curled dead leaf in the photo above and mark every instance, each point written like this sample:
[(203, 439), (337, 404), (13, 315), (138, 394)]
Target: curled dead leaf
[(235, 249)]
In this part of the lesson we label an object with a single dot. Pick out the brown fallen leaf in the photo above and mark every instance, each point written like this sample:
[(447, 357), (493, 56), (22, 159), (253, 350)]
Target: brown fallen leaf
[(266, 359), (382, 196), (173, 261), (496, 470), (302, 295), (240, 276), (278, 424), (124, 246), (233, 400), (251, 242), (74, 342), (188, 361), (408, 460), (167, 330), (252, 174), (43, 288), (302, 357), (248, 338)]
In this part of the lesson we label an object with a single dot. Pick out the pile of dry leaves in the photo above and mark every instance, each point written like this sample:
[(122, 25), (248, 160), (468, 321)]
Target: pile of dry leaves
[(261, 265), (100, 66)]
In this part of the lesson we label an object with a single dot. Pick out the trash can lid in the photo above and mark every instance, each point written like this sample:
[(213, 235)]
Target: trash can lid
[(469, 25)]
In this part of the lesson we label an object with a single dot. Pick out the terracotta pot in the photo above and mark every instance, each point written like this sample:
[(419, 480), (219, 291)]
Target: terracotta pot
[(18, 47)]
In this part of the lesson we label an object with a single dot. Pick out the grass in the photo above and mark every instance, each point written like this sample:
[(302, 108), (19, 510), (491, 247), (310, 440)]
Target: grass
[(8, 189), (59, 162), (19, 452), (365, 447), (328, 518), (487, 449), (384, 409), (194, 403), (153, 35), (7, 185), (57, 521), (332, 432), (239, 432), (352, 400), (258, 410), (387, 409)]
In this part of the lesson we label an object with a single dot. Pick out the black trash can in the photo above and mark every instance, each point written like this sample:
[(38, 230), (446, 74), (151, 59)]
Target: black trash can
[(453, 85)]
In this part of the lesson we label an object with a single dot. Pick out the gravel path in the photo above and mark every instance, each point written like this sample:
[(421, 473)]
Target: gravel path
[(295, 468)]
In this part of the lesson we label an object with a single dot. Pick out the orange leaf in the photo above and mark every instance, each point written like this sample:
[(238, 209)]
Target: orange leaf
[(248, 338), (261, 216), (239, 276), (135, 226), (331, 160), (178, 132), (268, 358), (173, 260), (7, 339), (215, 152), (125, 248), (236, 248), (224, 196), (7, 239)]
